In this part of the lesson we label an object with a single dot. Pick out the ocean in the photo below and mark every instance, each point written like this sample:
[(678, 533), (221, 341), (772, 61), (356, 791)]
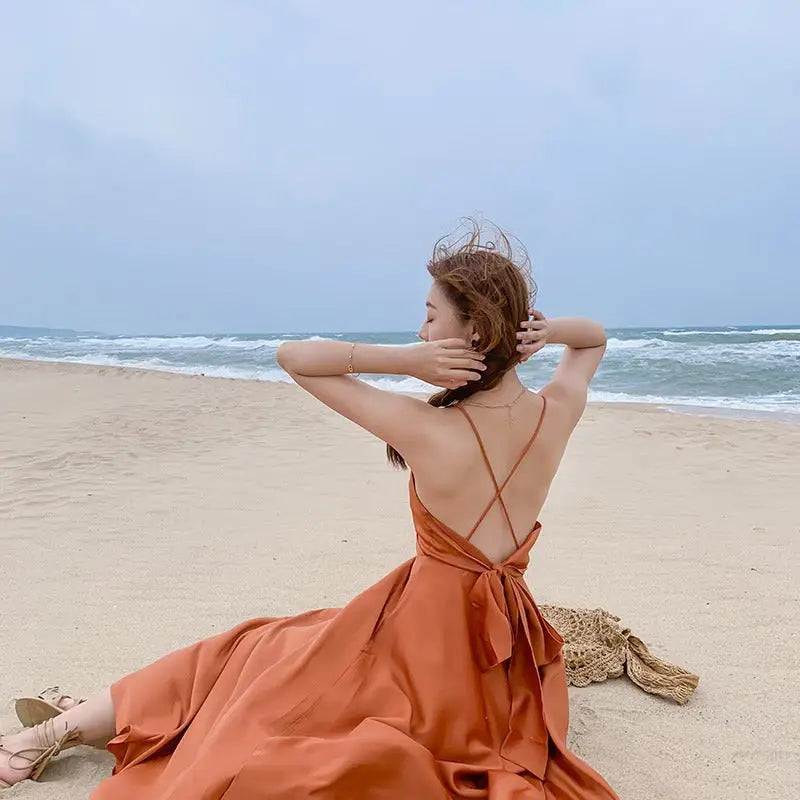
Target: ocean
[(738, 370)]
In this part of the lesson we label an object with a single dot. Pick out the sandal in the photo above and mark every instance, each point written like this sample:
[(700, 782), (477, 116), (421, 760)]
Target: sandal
[(48, 745), (46, 705)]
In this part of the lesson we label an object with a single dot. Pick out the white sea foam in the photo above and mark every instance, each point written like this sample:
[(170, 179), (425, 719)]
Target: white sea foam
[(636, 344), (250, 344), (734, 332), (148, 342), (782, 402), (178, 343), (271, 375)]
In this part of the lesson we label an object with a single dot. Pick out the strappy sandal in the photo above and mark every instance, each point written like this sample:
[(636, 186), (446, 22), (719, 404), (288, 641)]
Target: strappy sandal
[(46, 705), (37, 757)]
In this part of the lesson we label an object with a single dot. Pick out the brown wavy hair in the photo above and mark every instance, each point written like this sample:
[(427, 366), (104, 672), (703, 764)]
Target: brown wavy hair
[(489, 282)]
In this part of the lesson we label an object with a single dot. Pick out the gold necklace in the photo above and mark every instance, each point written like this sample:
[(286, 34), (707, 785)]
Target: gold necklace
[(498, 405), (507, 406)]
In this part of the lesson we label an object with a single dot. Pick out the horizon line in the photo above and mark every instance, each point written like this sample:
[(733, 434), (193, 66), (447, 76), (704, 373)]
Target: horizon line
[(372, 332)]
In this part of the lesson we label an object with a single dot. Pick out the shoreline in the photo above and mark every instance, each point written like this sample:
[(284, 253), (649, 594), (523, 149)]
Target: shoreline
[(713, 412)]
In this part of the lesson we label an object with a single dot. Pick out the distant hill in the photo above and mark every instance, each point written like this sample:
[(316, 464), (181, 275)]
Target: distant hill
[(22, 331)]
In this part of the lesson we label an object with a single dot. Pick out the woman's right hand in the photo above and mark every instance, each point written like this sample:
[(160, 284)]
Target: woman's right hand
[(448, 363)]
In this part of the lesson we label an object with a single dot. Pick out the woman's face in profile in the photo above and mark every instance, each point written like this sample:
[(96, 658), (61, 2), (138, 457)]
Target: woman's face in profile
[(442, 320)]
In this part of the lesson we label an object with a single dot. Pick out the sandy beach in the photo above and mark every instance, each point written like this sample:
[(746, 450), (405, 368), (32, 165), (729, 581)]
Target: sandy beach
[(140, 511)]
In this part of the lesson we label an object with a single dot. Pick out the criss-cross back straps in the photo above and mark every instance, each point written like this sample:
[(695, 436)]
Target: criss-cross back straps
[(498, 494)]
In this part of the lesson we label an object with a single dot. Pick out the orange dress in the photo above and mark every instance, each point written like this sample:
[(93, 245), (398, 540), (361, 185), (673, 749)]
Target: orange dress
[(443, 680)]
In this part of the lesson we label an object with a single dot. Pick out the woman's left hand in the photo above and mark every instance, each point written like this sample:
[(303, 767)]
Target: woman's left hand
[(533, 336)]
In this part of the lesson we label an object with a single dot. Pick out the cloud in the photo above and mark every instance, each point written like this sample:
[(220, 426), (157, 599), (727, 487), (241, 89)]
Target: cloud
[(238, 165)]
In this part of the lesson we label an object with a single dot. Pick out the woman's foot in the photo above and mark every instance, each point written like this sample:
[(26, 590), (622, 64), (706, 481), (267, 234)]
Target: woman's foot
[(16, 768), (26, 754)]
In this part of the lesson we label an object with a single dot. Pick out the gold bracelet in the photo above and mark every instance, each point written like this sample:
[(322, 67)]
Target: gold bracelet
[(350, 369)]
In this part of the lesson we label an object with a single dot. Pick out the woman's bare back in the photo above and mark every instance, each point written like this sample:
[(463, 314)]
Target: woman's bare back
[(456, 484)]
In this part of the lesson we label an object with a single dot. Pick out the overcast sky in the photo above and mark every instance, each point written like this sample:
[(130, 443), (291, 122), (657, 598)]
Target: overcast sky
[(202, 166)]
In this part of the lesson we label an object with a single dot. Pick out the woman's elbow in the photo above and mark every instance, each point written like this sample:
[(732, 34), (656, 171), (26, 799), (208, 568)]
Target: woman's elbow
[(285, 356)]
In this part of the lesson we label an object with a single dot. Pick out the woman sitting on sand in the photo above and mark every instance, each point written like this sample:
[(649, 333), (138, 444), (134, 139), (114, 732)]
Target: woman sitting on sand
[(442, 680)]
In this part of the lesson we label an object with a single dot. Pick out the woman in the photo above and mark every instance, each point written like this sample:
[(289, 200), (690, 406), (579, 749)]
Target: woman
[(443, 679)]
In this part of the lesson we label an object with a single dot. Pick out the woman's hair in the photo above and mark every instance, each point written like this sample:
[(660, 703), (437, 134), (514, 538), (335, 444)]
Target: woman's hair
[(489, 283)]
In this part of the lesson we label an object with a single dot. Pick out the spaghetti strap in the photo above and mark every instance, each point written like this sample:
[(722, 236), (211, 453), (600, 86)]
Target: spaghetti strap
[(480, 442), (498, 495), (494, 481)]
